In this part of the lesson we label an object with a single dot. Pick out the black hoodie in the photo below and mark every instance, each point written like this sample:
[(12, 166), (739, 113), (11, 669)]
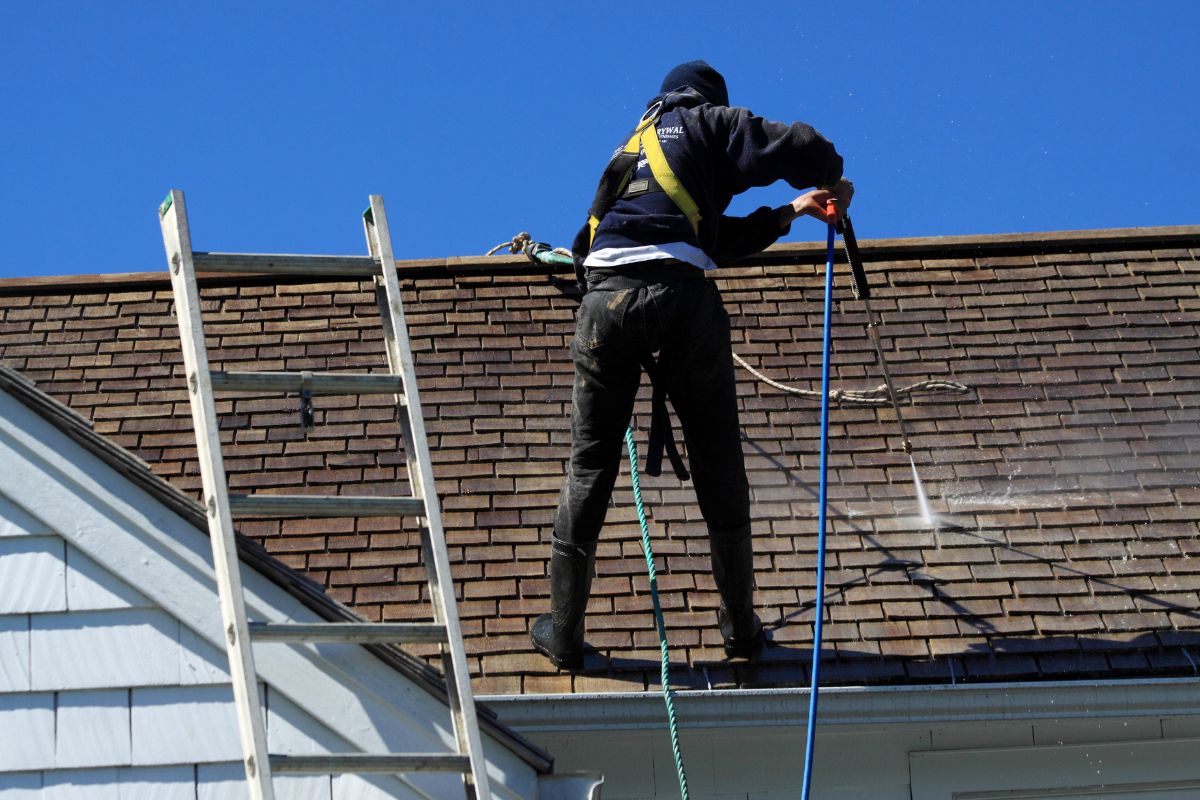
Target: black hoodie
[(718, 152)]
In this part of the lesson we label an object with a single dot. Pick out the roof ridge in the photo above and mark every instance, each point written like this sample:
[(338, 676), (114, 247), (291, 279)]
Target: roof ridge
[(977, 244)]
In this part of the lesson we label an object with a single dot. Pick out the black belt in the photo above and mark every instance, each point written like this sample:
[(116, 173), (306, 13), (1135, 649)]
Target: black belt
[(640, 274)]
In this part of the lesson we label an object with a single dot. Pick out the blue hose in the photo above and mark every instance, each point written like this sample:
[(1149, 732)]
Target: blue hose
[(823, 493)]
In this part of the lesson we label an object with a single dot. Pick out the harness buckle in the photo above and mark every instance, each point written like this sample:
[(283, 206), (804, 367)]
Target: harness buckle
[(652, 113)]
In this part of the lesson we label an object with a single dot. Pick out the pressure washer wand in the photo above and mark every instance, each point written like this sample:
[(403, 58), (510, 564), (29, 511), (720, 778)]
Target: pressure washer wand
[(862, 291)]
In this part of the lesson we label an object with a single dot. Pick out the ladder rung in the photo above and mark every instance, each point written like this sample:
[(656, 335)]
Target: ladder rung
[(304, 505), (316, 382), (391, 763), (350, 632), (269, 264)]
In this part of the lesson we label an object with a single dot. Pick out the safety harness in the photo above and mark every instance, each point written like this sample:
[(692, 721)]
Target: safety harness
[(615, 183)]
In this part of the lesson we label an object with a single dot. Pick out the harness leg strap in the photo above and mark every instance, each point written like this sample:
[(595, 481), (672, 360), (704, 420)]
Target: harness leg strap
[(661, 436)]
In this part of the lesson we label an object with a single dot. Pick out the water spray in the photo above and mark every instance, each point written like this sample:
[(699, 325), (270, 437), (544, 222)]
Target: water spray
[(862, 291)]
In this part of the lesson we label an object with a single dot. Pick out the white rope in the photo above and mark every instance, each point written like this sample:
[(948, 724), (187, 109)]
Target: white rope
[(866, 397), (524, 243), (515, 245)]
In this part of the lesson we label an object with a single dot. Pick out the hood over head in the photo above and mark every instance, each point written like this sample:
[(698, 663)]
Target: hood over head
[(697, 75)]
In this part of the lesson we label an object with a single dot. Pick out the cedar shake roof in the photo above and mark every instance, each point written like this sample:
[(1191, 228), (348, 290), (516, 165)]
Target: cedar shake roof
[(1066, 485)]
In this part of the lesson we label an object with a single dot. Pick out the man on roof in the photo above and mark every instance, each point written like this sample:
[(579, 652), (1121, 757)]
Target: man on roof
[(654, 233)]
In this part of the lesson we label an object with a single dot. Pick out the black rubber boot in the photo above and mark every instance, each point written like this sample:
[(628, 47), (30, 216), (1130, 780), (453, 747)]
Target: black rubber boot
[(733, 570), (559, 634)]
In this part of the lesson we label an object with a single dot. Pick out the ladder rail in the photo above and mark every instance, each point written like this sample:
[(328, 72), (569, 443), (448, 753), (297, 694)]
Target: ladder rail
[(468, 757), (244, 677), (420, 476)]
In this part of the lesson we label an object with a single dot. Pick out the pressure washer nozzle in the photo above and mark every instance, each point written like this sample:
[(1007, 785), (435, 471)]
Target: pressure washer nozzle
[(906, 446)]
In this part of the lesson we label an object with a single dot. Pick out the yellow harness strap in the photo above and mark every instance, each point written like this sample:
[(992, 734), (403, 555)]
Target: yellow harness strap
[(667, 180), (631, 148), (646, 138)]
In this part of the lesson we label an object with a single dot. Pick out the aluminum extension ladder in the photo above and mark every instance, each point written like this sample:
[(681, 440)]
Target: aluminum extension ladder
[(221, 505)]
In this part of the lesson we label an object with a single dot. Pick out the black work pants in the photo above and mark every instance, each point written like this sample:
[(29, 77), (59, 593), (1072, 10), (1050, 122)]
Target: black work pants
[(683, 319)]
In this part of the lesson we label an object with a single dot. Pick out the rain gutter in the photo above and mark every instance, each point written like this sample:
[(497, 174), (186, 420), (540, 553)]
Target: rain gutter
[(853, 705)]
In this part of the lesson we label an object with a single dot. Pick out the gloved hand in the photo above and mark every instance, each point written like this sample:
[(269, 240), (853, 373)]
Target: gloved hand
[(813, 203), (844, 190)]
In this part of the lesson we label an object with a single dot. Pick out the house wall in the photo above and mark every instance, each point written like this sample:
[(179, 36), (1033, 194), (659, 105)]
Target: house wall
[(104, 694), (111, 691), (1112, 753)]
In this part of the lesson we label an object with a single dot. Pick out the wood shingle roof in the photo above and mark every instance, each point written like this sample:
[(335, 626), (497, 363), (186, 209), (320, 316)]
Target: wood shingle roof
[(1066, 485)]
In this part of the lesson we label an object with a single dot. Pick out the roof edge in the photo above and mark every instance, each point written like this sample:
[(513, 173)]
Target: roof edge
[(1009, 243), (854, 705), (1103, 239)]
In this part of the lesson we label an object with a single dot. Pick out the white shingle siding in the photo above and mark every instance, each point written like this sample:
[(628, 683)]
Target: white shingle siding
[(102, 649), (292, 731), (114, 683), (184, 724), (220, 781), (82, 784), (304, 787), (26, 731), (16, 521), (90, 587), (33, 574), (14, 654), (158, 783), (92, 728), (199, 661), (372, 787), (21, 785), (359, 787)]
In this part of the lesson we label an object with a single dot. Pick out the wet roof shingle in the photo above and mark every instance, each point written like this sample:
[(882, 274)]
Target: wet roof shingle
[(1066, 485)]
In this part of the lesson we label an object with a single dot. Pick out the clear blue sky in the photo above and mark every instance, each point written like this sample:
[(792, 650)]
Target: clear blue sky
[(478, 120)]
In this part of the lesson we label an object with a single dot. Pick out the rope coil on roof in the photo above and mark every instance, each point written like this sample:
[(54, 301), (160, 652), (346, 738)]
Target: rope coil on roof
[(515, 245), (539, 252), (863, 397)]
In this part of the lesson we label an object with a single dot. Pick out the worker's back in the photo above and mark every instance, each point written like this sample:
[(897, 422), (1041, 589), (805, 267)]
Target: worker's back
[(716, 152)]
